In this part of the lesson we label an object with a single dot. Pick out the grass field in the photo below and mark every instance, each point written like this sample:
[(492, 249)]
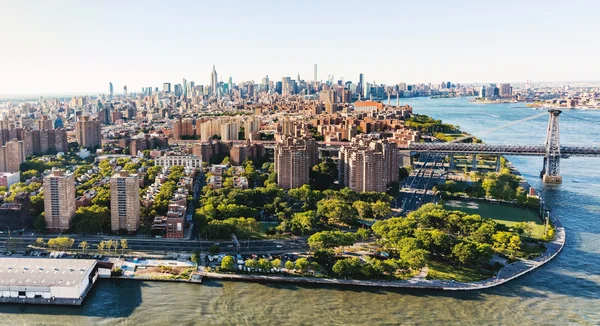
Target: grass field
[(443, 271), (504, 214)]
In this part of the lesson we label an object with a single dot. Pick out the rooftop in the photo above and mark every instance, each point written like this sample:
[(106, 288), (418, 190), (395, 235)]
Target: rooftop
[(44, 272)]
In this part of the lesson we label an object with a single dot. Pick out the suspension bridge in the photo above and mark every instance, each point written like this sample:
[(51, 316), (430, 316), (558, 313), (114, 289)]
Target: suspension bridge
[(552, 151)]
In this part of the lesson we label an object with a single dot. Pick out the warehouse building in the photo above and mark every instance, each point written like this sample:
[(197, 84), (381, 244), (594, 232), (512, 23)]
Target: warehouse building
[(46, 281)]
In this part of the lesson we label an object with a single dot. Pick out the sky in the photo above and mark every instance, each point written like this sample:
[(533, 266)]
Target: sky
[(80, 46)]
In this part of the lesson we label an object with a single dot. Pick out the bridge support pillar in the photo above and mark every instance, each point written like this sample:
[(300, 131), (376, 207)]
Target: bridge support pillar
[(498, 163), (451, 165), (474, 167), (551, 170)]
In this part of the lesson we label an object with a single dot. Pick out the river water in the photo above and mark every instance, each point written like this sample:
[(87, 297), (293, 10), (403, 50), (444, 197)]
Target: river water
[(565, 291)]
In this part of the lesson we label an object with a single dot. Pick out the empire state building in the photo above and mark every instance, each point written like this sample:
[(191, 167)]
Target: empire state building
[(213, 81)]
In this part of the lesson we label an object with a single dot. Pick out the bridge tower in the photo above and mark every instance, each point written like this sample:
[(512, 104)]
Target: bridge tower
[(551, 171)]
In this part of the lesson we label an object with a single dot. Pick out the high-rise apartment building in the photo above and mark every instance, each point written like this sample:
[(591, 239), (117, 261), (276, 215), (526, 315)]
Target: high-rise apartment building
[(294, 157), (183, 128), (45, 123), (124, 201), (315, 73), (368, 164), (251, 125), (88, 132), (505, 90), (230, 131), (59, 200), (12, 154)]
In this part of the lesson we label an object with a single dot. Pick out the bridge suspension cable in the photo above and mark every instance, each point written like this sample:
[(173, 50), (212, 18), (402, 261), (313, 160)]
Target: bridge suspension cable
[(501, 127), (580, 118)]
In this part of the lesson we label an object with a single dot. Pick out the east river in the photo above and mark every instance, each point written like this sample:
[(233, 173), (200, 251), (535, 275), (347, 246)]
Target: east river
[(565, 291)]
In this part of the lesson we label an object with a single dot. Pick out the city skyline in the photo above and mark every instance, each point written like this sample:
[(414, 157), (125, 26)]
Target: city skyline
[(80, 47)]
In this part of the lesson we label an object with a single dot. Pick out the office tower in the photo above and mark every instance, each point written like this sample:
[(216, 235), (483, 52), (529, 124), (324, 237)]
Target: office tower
[(124, 201), (59, 200), (125, 90), (110, 91), (167, 87), (361, 86), (230, 85), (315, 73), (368, 164), (214, 81), (177, 90), (88, 132), (230, 131), (185, 88), (482, 91), (294, 157)]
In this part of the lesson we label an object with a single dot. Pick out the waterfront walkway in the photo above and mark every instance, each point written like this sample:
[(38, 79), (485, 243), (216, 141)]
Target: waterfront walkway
[(506, 274)]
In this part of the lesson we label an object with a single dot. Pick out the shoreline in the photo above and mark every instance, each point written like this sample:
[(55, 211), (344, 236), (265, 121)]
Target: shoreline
[(517, 269)]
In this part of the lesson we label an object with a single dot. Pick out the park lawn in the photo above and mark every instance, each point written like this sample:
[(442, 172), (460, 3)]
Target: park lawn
[(507, 215), (445, 271)]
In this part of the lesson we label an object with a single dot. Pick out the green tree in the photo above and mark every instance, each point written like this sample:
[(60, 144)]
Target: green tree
[(227, 263), (40, 242), (363, 234), (337, 211), (39, 223), (465, 252), (381, 209), (363, 209), (84, 245), (302, 264), (276, 263), (214, 249), (331, 239), (289, 265), (101, 245), (124, 245), (195, 257)]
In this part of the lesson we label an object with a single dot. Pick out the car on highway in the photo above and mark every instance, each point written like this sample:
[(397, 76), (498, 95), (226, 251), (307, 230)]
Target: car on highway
[(279, 246)]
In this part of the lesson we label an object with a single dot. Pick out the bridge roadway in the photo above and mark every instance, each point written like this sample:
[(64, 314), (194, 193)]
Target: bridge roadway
[(456, 148), (518, 150)]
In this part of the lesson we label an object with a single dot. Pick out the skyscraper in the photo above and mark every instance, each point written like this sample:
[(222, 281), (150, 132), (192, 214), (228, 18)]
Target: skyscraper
[(124, 201), (214, 81), (125, 90), (361, 86), (59, 200), (315, 73), (167, 87), (185, 88), (110, 91)]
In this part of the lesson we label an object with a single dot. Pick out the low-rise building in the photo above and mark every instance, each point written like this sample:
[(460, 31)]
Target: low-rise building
[(46, 281)]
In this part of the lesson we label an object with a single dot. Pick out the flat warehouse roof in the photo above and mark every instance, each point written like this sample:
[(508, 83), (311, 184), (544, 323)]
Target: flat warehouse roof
[(44, 272)]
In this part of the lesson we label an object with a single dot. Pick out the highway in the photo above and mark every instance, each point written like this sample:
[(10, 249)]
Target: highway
[(418, 188), (174, 245)]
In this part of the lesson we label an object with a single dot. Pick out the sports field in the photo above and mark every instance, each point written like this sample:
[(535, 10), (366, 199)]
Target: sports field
[(504, 214)]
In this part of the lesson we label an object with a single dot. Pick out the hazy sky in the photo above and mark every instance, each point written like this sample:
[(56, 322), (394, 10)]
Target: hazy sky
[(78, 46)]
